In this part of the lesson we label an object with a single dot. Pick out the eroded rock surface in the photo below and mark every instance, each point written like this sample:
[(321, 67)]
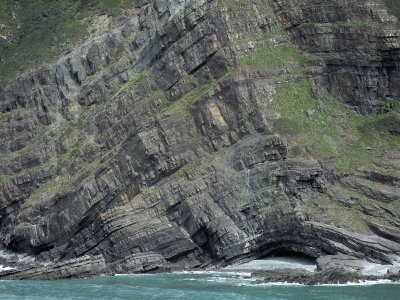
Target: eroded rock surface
[(162, 144)]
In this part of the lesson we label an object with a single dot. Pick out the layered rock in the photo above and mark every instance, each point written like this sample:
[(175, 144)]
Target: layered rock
[(156, 145)]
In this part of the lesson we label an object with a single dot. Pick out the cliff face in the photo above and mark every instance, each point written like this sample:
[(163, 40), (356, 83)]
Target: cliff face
[(200, 133)]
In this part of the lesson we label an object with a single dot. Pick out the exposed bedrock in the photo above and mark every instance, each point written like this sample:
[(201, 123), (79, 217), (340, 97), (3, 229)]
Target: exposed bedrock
[(360, 47), (153, 147)]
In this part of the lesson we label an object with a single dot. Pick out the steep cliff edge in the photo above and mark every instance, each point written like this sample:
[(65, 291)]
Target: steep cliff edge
[(199, 133)]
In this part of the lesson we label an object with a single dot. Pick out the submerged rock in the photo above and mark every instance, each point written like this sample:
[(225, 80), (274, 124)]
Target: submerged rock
[(332, 269), (300, 276)]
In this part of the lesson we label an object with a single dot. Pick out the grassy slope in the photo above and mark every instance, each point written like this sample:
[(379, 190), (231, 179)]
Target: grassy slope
[(41, 30), (341, 140), (335, 135), (393, 7)]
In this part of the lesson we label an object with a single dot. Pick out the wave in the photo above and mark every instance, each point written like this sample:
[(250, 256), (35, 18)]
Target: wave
[(2, 268), (214, 272), (240, 274), (361, 283), (133, 274), (269, 284), (19, 257)]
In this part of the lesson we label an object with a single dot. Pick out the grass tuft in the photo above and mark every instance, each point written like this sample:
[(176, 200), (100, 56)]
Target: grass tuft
[(337, 136), (275, 57), (40, 30)]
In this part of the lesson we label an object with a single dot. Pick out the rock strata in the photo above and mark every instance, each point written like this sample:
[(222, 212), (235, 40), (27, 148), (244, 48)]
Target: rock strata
[(206, 133)]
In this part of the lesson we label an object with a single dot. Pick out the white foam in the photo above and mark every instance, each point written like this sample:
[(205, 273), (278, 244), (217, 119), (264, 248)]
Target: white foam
[(5, 268), (363, 283), (215, 272), (22, 257), (274, 263), (269, 284), (133, 274), (376, 269), (17, 257)]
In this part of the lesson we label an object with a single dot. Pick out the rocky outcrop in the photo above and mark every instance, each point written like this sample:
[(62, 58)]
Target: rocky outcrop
[(332, 276), (361, 45), (155, 146), (332, 269)]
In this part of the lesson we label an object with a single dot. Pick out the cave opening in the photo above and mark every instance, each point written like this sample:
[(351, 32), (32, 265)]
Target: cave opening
[(283, 252), (289, 258), (281, 258)]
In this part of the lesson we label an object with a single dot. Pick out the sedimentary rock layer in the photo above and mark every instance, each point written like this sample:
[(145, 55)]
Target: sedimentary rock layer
[(165, 143)]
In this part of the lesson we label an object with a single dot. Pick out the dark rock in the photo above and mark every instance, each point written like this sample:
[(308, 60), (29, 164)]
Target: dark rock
[(165, 156), (301, 276), (345, 262)]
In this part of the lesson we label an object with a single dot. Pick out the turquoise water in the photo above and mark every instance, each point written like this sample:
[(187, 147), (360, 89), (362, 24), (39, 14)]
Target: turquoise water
[(188, 286)]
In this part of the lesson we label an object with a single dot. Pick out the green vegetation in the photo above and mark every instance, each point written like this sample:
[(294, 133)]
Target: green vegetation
[(393, 7), (137, 78), (75, 126), (388, 105), (356, 24), (109, 6), (233, 6), (113, 7), (342, 139), (56, 184), (40, 30), (183, 105), (294, 101), (72, 153), (322, 208), (195, 165), (74, 140), (73, 131), (275, 57), (148, 190), (4, 178)]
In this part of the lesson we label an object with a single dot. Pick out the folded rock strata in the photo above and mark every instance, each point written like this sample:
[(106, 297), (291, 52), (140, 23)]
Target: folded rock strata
[(160, 145)]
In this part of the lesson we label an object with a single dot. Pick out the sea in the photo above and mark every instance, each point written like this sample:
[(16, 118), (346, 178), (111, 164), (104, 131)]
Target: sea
[(229, 283)]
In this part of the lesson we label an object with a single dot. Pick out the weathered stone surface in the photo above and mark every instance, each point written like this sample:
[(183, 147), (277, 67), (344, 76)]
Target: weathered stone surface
[(161, 154), (340, 262)]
